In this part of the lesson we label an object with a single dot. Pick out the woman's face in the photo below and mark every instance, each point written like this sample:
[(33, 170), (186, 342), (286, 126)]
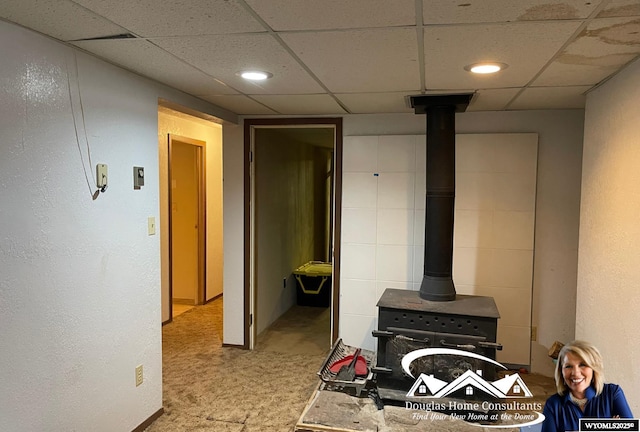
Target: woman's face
[(577, 375)]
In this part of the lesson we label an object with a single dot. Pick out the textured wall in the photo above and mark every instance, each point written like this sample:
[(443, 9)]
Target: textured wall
[(609, 260), (233, 192), (78, 275), (79, 278)]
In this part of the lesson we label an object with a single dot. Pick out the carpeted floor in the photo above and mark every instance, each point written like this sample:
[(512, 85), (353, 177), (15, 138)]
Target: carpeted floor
[(210, 388)]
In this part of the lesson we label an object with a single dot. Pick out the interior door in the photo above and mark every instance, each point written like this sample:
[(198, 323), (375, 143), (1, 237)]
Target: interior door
[(256, 279), (186, 221)]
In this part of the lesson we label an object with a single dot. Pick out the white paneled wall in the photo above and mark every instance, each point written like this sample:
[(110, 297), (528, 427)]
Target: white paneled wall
[(383, 228), (494, 230), (379, 229)]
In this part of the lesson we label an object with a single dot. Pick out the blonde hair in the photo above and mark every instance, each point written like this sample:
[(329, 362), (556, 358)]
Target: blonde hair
[(589, 355)]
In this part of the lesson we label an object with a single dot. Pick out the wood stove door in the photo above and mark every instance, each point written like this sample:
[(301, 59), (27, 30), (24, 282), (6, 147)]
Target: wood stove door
[(396, 342), (449, 367)]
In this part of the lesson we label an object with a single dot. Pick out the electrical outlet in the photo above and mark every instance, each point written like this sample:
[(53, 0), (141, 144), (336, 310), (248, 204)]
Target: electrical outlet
[(139, 375), (534, 334)]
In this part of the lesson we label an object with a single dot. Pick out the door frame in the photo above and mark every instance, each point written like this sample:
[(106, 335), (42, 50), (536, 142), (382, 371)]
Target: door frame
[(248, 260), (201, 149)]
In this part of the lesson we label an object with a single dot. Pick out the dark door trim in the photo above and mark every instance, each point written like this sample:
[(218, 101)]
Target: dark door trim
[(336, 123)]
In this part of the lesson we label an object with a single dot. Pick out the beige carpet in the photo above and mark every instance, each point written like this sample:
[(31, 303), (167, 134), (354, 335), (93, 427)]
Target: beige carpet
[(301, 330), (210, 388)]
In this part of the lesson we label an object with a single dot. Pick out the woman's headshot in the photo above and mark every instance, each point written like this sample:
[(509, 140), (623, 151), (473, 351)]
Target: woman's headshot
[(581, 390)]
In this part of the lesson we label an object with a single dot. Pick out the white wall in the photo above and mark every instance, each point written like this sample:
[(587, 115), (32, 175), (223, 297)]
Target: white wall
[(172, 122), (383, 220), (557, 205), (494, 227), (608, 300), (232, 209), (557, 211), (79, 278)]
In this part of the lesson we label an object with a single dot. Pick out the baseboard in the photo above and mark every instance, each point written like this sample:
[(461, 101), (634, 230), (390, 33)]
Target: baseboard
[(225, 345), (182, 301), (213, 298), (145, 424)]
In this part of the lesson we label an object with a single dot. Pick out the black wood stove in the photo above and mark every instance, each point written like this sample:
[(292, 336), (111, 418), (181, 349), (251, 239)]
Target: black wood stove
[(407, 323), (435, 317)]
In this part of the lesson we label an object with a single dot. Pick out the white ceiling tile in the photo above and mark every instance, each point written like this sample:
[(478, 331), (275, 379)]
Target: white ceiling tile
[(551, 98), (448, 49), (358, 55), (301, 104), (334, 14), (492, 99), (600, 50), (146, 59), (148, 18), (369, 103), (608, 36), (223, 56), (616, 8), (563, 72), (360, 61), (61, 19), (488, 11), (239, 104)]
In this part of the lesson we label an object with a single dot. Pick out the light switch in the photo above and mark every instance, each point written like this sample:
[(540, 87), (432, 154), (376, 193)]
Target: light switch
[(151, 225), (138, 177)]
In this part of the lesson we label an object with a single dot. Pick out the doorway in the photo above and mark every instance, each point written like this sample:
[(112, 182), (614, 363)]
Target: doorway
[(187, 227), (292, 216)]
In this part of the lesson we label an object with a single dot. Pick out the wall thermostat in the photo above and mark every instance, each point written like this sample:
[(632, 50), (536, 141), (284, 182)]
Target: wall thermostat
[(138, 177)]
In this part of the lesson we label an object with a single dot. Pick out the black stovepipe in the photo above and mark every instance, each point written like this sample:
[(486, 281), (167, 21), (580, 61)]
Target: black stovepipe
[(437, 282)]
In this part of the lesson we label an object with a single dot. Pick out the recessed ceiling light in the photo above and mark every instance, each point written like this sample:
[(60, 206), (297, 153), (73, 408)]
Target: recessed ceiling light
[(255, 75), (485, 68)]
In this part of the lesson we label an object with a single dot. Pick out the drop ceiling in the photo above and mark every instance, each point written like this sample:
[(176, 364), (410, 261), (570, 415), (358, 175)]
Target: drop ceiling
[(335, 57)]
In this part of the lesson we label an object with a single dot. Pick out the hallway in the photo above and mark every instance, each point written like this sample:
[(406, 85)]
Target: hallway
[(210, 387)]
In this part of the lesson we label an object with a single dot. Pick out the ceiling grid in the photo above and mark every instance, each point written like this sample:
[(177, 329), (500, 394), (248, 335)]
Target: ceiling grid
[(359, 56)]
